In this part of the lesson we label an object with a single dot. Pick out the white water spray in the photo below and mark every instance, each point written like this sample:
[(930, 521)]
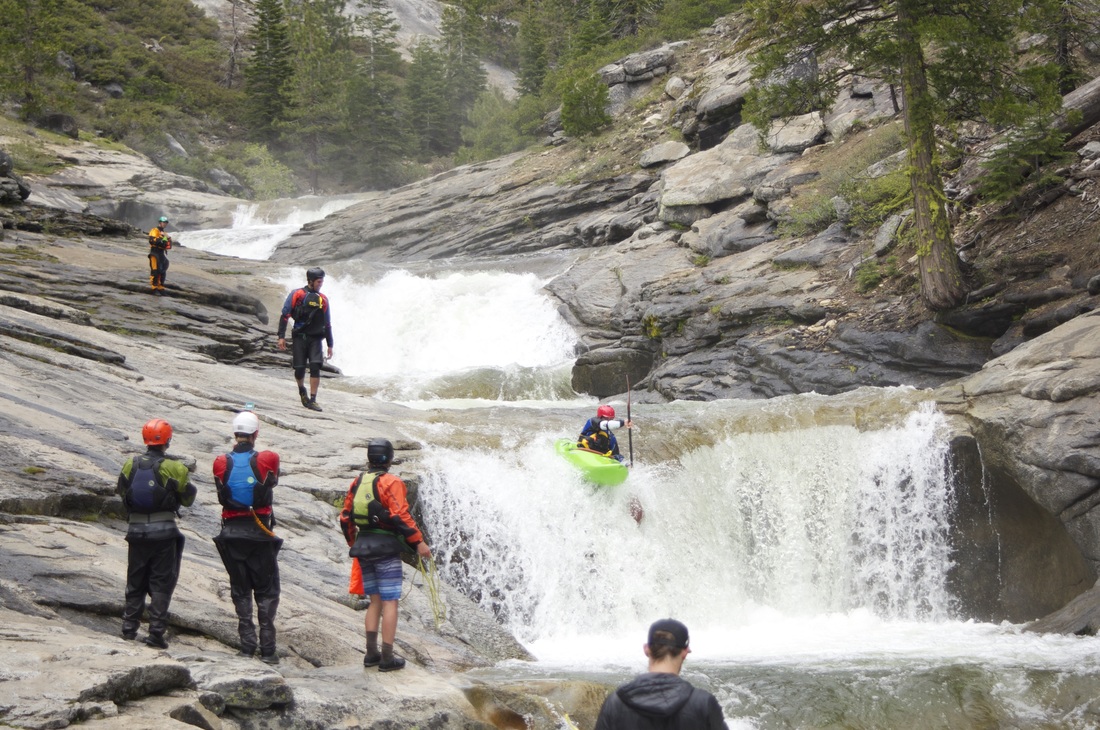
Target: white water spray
[(259, 227), (484, 335), (801, 523)]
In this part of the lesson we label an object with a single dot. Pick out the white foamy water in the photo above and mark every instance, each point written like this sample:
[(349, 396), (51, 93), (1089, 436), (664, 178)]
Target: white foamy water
[(259, 228), (857, 522), (486, 336)]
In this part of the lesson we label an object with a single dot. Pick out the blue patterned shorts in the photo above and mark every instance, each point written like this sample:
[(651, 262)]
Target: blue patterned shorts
[(382, 577)]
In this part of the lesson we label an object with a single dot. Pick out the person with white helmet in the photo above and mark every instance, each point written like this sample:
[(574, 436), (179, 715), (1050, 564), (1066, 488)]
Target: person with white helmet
[(597, 434), (311, 312), (159, 243), (153, 487), (246, 479)]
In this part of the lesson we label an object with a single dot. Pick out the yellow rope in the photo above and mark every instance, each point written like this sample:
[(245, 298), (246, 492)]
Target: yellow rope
[(263, 527), (439, 611)]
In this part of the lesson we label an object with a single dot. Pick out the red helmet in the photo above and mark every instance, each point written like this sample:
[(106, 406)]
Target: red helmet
[(605, 411), (157, 432)]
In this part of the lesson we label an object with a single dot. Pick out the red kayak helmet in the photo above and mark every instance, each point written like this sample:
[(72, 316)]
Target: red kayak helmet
[(605, 411), (157, 432)]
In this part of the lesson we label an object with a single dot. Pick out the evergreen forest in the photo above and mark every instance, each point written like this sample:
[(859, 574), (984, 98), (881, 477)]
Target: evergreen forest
[(304, 96)]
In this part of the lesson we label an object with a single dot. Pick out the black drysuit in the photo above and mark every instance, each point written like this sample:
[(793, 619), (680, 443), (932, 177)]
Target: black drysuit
[(250, 557)]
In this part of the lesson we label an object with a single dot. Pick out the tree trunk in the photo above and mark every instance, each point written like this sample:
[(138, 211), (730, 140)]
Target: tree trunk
[(1084, 99), (941, 284)]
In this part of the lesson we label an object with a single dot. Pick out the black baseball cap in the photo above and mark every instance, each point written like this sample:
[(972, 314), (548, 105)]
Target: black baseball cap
[(670, 632)]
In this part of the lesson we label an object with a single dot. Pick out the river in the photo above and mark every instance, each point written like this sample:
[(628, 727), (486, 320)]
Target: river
[(804, 540)]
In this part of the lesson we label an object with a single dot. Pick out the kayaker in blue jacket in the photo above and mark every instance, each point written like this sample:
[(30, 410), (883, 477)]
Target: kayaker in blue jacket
[(597, 435)]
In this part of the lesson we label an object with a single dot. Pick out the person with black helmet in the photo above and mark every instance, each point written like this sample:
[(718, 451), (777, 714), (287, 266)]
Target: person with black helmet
[(310, 310), (377, 526), (153, 487), (597, 435), (660, 698), (159, 243), (246, 480)]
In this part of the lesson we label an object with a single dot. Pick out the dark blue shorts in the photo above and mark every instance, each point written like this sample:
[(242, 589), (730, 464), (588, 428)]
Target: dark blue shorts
[(382, 577)]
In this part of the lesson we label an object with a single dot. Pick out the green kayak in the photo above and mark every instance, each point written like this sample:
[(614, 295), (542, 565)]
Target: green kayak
[(597, 468)]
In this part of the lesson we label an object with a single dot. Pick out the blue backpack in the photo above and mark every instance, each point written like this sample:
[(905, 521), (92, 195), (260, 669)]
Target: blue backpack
[(241, 487), (147, 493)]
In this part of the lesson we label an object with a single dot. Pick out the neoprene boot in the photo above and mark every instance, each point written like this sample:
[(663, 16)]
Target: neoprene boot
[(158, 619), (266, 606), (131, 615), (390, 662), (245, 628), (373, 656)]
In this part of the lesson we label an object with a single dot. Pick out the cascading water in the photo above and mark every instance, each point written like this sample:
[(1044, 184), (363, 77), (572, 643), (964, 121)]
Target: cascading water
[(805, 543), (858, 520), (257, 228), (487, 336)]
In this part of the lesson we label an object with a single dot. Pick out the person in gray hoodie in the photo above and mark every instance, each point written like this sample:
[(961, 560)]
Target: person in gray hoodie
[(660, 698)]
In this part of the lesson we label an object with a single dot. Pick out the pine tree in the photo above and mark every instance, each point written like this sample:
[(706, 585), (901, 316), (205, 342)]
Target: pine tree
[(30, 38), (378, 114), (429, 101), (268, 72), (316, 128), (462, 44), (534, 55), (950, 60)]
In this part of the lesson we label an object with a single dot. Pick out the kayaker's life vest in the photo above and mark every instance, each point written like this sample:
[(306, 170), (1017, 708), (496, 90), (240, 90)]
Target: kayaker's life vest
[(147, 491), (158, 240), (599, 441), (241, 486), (309, 312), (367, 511)]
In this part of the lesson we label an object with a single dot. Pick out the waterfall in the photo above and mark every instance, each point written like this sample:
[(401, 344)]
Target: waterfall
[(481, 335), (804, 522), (259, 227)]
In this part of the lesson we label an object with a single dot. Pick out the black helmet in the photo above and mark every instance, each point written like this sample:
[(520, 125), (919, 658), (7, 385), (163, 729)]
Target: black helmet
[(314, 274), (379, 452)]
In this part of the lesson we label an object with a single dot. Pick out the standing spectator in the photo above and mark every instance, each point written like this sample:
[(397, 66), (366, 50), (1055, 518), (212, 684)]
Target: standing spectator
[(153, 487), (246, 480), (310, 310), (377, 526), (660, 698), (159, 243)]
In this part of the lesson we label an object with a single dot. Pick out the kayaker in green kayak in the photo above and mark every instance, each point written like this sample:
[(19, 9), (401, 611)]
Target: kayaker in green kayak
[(597, 435)]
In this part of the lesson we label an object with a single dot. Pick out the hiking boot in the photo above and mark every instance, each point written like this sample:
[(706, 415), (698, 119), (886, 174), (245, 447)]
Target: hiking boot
[(371, 660), (311, 404), (247, 651), (157, 641), (129, 635), (392, 665), (271, 658)]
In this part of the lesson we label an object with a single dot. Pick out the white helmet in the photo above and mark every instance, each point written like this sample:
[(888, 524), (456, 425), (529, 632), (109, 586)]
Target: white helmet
[(246, 423)]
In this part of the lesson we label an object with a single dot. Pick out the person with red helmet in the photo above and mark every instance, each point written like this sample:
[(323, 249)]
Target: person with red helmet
[(597, 434), (153, 487)]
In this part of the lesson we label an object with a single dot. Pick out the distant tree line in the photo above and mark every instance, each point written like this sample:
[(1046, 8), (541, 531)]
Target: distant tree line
[(311, 88)]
